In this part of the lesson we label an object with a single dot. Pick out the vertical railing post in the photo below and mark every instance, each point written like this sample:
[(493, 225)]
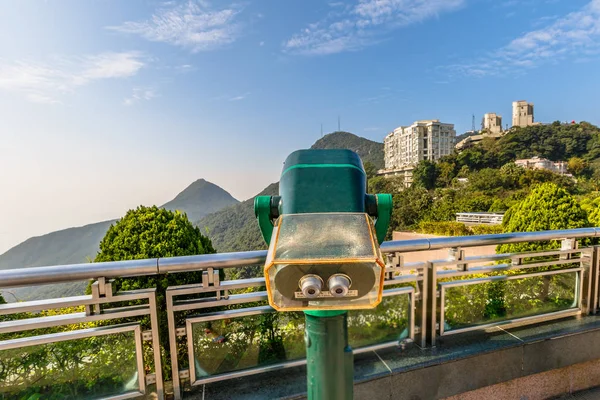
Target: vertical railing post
[(421, 308), (458, 254), (432, 306), (426, 309), (594, 272), (160, 392), (173, 346)]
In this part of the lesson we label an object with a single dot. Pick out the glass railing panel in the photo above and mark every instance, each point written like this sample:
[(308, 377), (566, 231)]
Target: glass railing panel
[(79, 368), (238, 343), (498, 301), (389, 321)]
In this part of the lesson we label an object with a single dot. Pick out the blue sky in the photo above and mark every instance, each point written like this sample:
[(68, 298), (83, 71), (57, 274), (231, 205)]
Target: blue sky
[(105, 105)]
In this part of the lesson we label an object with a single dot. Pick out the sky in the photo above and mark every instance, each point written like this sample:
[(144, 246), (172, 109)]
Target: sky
[(106, 105)]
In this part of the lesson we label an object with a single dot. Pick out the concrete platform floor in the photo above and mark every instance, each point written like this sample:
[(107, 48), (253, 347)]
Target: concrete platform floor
[(590, 394)]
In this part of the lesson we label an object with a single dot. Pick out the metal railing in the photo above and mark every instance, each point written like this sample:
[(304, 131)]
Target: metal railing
[(422, 300), (480, 218)]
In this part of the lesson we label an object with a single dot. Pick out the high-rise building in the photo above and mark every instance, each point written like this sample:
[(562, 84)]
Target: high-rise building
[(423, 140), (522, 113), (492, 123)]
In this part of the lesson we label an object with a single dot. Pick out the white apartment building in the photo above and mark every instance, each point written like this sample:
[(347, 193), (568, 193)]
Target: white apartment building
[(423, 140), (559, 167), (492, 122), (522, 113)]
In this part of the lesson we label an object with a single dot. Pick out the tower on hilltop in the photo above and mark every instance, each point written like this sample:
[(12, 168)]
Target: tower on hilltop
[(522, 113)]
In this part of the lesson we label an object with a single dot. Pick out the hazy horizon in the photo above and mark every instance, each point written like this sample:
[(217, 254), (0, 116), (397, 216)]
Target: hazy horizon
[(108, 105)]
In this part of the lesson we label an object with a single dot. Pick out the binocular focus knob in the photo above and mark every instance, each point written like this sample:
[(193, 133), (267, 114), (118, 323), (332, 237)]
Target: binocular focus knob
[(311, 286), (339, 284)]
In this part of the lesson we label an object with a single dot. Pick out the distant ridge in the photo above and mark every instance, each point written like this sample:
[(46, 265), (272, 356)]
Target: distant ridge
[(67, 246), (81, 244)]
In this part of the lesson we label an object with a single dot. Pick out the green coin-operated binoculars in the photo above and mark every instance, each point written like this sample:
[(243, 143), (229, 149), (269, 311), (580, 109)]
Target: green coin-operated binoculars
[(324, 256)]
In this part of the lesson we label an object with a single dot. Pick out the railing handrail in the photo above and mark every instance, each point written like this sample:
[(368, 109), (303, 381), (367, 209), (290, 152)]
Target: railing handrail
[(78, 272), (436, 243), (481, 213)]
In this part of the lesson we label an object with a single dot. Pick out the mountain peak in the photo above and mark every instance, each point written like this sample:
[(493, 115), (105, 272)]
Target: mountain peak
[(200, 198)]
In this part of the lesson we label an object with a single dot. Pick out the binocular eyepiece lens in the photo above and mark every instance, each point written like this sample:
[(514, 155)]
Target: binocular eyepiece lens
[(311, 286), (339, 284)]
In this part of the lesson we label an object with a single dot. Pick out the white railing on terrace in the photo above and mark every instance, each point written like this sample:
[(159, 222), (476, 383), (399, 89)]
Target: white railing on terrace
[(480, 218), (210, 321)]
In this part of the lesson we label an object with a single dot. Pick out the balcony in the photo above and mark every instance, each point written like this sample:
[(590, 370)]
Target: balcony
[(445, 327)]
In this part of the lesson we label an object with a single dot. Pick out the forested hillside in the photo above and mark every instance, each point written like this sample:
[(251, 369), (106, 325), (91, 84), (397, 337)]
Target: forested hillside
[(235, 228), (67, 246), (368, 150)]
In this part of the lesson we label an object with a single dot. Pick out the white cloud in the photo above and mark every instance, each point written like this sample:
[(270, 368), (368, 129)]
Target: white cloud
[(47, 82), (138, 95), (192, 25), (574, 35), (360, 25), (184, 68), (111, 65), (239, 97)]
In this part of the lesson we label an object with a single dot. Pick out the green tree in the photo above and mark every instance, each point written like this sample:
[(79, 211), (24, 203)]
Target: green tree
[(444, 206), (409, 208), (498, 205), (594, 217), (370, 169), (152, 232), (382, 184), (532, 177), (425, 174), (445, 174), (486, 180), (511, 174), (2, 301), (463, 172), (548, 207), (577, 166)]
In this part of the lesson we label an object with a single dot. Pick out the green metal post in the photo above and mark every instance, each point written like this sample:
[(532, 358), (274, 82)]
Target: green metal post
[(329, 358)]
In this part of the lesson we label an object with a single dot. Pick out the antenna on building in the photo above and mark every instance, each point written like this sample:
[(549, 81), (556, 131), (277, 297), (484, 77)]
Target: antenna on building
[(339, 129), (473, 123)]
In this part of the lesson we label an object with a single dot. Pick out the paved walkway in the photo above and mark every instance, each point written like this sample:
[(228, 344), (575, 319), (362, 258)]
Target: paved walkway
[(590, 394)]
